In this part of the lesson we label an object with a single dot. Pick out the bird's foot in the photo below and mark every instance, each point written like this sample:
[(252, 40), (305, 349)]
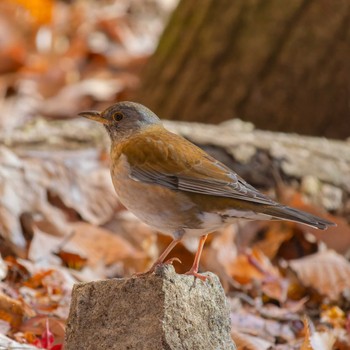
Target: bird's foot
[(197, 275), (155, 265), (171, 261)]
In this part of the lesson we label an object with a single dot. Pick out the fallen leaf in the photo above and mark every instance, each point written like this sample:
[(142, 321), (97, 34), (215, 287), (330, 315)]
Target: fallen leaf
[(316, 340), (7, 343), (13, 311), (72, 260), (336, 238), (40, 10), (333, 315), (251, 266), (38, 325), (327, 272), (17, 272), (255, 267), (275, 234), (51, 243), (3, 268), (98, 244), (247, 322), (306, 345), (91, 196), (245, 341), (342, 339), (36, 281), (5, 326), (219, 252)]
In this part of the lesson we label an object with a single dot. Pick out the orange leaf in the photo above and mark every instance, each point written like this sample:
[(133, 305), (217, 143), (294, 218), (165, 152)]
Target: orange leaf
[(40, 10), (252, 266), (16, 271), (36, 281), (306, 345), (72, 260), (13, 311), (316, 340)]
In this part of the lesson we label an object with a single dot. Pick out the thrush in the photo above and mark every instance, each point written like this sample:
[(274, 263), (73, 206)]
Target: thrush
[(177, 188)]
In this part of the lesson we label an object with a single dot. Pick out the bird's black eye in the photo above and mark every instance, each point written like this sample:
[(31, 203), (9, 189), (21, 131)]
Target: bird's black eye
[(118, 116)]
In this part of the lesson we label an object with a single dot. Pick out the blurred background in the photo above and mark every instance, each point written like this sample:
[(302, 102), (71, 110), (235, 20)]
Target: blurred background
[(262, 85), (59, 57), (284, 68)]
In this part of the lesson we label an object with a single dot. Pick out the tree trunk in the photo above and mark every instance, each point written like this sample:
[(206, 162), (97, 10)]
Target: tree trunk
[(282, 65)]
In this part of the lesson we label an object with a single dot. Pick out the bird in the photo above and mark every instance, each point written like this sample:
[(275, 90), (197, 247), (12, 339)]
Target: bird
[(177, 188)]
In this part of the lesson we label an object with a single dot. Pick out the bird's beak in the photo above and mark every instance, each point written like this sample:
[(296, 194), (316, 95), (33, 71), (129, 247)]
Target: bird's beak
[(94, 115)]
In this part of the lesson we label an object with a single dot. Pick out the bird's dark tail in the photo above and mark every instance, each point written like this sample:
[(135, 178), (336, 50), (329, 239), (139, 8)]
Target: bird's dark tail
[(291, 214)]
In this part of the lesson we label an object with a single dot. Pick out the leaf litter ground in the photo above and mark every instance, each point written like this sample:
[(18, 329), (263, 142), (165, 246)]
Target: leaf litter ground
[(61, 222)]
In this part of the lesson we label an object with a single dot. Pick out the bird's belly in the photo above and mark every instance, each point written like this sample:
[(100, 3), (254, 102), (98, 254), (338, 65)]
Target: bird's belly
[(166, 210), (161, 208)]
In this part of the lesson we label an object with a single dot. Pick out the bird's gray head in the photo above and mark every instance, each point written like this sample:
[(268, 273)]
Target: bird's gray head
[(123, 119)]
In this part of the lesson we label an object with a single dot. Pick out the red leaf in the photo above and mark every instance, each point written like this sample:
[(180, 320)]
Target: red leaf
[(47, 337), (57, 347)]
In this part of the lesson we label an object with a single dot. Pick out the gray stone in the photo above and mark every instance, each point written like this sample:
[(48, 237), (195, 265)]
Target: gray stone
[(163, 310)]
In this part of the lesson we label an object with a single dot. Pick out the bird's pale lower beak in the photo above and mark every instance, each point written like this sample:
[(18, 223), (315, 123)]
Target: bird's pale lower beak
[(93, 115)]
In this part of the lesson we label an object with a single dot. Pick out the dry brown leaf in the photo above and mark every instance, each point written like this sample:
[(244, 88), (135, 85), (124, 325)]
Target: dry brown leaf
[(80, 182), (4, 326), (336, 238), (40, 10), (245, 341), (333, 315), (7, 343), (3, 268), (251, 266), (316, 340), (44, 245), (35, 326), (342, 339), (140, 235), (99, 244), (96, 247), (256, 267), (17, 272), (285, 313), (220, 252), (276, 233), (12, 51), (306, 345), (48, 290), (72, 260), (245, 321), (327, 272), (36, 281), (13, 311)]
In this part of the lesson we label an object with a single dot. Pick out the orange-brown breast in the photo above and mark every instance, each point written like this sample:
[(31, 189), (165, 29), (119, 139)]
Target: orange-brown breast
[(162, 208)]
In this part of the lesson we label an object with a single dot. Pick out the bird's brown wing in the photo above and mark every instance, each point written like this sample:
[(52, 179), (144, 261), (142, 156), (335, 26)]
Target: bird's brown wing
[(168, 160)]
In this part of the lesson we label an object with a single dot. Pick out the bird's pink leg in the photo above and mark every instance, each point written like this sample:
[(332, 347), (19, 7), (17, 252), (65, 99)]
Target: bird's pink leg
[(194, 269), (162, 257), (166, 252)]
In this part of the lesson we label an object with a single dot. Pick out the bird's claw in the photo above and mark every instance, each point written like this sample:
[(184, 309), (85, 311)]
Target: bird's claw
[(197, 275), (170, 261), (154, 266)]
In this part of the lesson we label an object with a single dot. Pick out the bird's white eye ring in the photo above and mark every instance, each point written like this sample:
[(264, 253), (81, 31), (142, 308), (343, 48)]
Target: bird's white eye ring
[(118, 116)]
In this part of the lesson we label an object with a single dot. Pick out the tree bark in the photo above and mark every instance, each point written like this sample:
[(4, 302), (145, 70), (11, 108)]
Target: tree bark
[(283, 66)]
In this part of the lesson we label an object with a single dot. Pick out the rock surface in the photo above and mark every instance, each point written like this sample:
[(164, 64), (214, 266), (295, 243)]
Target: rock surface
[(163, 310)]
